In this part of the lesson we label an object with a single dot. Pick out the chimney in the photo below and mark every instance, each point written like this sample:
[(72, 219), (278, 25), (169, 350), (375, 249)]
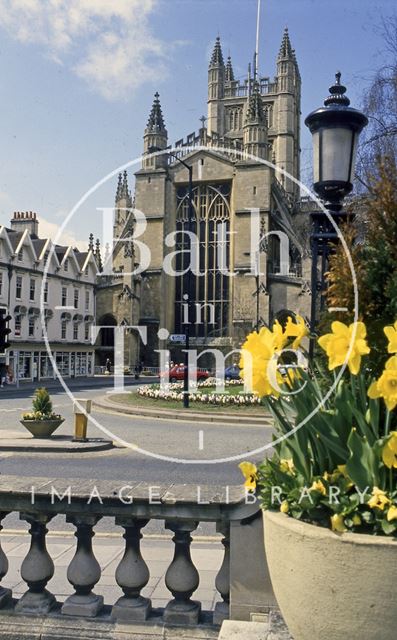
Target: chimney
[(25, 220)]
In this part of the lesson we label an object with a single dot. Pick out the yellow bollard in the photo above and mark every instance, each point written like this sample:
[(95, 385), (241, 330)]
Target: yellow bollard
[(81, 410)]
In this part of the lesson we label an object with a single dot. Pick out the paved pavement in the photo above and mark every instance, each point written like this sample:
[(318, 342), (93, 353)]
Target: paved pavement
[(157, 551), (24, 442)]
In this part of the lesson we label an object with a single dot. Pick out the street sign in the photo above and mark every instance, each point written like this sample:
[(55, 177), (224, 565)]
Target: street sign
[(177, 337)]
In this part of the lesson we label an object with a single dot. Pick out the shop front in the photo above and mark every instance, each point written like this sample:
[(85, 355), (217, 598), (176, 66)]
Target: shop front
[(27, 365)]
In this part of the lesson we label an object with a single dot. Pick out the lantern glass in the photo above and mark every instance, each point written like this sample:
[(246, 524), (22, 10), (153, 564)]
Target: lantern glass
[(334, 151)]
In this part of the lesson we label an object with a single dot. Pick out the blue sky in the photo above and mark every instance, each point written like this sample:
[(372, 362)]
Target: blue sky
[(77, 79)]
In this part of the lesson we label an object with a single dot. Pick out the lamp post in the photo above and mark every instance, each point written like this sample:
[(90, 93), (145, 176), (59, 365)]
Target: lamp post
[(189, 272), (335, 128)]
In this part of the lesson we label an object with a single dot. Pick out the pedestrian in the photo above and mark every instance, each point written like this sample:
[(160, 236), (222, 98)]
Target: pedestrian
[(108, 365)]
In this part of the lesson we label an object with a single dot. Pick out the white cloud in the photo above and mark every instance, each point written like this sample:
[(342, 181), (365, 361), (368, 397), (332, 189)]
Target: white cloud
[(107, 43), (49, 229)]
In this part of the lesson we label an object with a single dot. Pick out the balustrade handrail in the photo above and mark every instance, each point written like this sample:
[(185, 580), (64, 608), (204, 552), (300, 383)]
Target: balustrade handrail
[(133, 505), (207, 503)]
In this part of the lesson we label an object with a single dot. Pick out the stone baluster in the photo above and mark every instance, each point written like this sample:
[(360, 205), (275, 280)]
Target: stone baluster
[(132, 575), (182, 577), (37, 569), (5, 594), (84, 571), (222, 580)]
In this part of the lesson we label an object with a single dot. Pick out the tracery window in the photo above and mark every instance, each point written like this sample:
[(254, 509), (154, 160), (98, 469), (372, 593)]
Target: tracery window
[(209, 292)]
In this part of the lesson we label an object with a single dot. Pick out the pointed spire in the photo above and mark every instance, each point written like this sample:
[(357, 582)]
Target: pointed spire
[(285, 49), (91, 242), (229, 73), (217, 56), (97, 254), (124, 191), (119, 187), (156, 120), (255, 112)]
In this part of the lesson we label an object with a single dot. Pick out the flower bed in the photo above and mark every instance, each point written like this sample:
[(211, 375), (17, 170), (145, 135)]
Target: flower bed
[(174, 391)]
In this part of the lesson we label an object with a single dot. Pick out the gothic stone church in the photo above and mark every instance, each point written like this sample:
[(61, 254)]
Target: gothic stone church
[(258, 118)]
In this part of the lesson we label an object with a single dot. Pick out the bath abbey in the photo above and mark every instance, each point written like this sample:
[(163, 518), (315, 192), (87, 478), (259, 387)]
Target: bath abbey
[(243, 204)]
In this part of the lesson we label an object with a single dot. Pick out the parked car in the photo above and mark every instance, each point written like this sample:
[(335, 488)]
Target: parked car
[(176, 373), (232, 372)]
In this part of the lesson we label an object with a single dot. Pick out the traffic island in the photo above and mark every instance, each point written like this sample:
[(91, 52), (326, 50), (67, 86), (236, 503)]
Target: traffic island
[(117, 405), (17, 441)]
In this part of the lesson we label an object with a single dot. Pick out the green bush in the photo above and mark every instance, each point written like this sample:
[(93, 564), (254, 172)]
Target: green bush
[(42, 402)]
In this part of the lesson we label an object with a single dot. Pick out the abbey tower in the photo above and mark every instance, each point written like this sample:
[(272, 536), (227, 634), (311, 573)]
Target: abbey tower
[(238, 157)]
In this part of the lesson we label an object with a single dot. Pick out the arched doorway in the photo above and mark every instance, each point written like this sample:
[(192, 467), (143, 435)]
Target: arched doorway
[(105, 340)]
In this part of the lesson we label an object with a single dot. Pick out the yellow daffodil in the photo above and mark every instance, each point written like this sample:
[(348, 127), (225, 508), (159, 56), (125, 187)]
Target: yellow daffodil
[(389, 452), (256, 353), (392, 513), (342, 468), (284, 506), (379, 499), (337, 523), (391, 335), (338, 343), (318, 486), (332, 477), (287, 465), (297, 330), (356, 520), (250, 473), (280, 338), (386, 386)]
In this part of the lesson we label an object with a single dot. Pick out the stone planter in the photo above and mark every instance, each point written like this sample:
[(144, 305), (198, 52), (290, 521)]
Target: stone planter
[(332, 585), (42, 428)]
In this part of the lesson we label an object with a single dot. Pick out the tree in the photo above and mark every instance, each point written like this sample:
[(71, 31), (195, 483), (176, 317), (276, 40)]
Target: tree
[(374, 260), (379, 139)]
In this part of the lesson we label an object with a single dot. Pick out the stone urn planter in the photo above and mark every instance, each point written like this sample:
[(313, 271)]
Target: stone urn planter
[(42, 428), (331, 585)]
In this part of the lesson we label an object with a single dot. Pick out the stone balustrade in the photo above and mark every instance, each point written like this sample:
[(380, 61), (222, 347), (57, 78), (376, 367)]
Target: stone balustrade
[(133, 505)]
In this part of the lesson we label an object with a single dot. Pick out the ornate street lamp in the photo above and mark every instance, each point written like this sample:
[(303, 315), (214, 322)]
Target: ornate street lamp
[(335, 128)]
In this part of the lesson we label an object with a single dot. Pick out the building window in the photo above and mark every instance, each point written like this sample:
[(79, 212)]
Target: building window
[(31, 326), (45, 293), (87, 300), (209, 293), (32, 289), (86, 271), (75, 331), (76, 299), (86, 331), (17, 326), (20, 255), (64, 297), (66, 265), (1, 283), (254, 190), (63, 330), (18, 288)]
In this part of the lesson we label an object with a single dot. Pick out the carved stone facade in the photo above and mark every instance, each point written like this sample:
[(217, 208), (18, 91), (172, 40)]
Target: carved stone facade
[(238, 162)]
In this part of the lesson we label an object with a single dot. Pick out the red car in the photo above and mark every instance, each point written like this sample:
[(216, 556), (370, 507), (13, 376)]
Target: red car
[(176, 373)]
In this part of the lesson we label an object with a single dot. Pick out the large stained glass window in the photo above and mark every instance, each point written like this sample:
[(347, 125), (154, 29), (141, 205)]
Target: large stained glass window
[(209, 292)]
